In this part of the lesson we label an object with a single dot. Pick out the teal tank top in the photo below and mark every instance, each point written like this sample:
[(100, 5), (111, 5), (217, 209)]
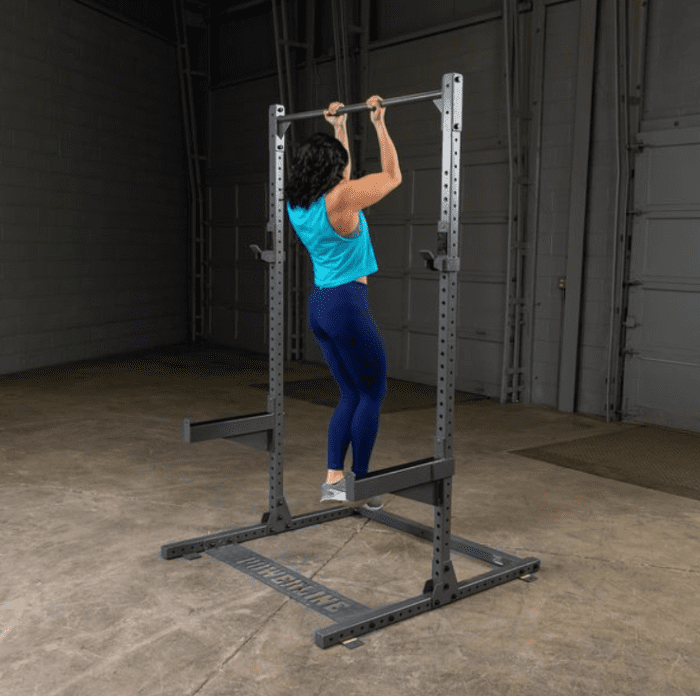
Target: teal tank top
[(337, 260)]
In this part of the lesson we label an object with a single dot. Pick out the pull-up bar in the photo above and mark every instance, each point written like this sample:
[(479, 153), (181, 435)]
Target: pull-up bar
[(392, 101)]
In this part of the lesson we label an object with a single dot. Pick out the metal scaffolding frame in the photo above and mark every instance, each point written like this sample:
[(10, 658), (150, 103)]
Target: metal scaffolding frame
[(514, 371), (427, 480), (200, 203)]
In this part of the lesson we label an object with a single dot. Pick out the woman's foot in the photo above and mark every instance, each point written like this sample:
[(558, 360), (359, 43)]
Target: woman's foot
[(333, 491)]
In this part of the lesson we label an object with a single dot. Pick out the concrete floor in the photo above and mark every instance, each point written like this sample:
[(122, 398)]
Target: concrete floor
[(96, 478)]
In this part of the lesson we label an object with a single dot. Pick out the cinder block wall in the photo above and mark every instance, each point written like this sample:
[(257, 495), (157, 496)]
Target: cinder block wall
[(93, 188)]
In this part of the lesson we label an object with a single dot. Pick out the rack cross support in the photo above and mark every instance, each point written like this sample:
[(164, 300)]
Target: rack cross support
[(427, 480)]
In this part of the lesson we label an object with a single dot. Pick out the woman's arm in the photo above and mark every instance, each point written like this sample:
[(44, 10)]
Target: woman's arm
[(338, 122), (342, 135)]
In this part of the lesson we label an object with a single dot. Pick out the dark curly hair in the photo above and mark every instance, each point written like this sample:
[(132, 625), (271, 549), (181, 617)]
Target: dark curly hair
[(318, 167)]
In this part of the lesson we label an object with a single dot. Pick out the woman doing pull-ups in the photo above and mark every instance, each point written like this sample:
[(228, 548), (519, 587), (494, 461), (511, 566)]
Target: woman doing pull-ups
[(325, 208)]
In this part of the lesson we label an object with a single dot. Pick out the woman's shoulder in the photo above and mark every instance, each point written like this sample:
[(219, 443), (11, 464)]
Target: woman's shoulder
[(334, 195)]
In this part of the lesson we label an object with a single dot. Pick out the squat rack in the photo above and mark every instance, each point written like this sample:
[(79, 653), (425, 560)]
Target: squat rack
[(427, 480)]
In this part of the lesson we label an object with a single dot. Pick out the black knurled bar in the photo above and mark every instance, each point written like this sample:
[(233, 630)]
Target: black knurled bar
[(391, 101)]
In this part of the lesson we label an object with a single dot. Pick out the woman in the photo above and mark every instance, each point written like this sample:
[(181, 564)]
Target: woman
[(325, 208)]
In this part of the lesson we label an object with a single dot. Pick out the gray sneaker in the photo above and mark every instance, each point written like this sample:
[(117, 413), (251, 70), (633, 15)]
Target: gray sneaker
[(333, 491)]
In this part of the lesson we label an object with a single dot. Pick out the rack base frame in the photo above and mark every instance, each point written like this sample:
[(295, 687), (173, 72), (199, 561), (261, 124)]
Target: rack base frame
[(351, 619)]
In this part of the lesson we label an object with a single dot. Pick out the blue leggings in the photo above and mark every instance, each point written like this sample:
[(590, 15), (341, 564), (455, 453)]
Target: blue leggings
[(352, 344)]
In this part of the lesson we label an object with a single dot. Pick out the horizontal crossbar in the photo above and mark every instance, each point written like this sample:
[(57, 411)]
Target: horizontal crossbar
[(239, 535), (398, 478), (228, 427), (391, 101)]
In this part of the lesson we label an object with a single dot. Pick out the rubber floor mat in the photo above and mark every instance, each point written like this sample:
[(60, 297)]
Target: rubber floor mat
[(652, 457)]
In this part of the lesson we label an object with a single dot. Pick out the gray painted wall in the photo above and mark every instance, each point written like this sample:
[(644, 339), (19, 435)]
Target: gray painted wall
[(93, 188)]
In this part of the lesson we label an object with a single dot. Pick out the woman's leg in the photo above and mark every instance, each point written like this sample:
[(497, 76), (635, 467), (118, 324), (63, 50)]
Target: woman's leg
[(364, 357), (352, 343), (326, 312)]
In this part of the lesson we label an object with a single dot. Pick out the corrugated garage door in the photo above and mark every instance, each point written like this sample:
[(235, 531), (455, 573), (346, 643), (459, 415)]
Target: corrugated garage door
[(662, 370), (662, 367)]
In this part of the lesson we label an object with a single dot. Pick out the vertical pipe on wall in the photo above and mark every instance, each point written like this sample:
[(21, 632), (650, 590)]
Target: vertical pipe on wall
[(363, 84), (346, 54), (197, 191), (278, 54), (638, 20), (571, 329), (520, 251), (537, 41), (287, 61), (208, 192), (310, 50), (506, 375), (630, 78), (312, 99), (303, 332), (615, 318), (210, 262), (340, 76), (180, 38)]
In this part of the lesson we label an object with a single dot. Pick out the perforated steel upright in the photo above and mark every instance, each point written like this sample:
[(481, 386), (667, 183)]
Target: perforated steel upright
[(279, 513), (444, 580)]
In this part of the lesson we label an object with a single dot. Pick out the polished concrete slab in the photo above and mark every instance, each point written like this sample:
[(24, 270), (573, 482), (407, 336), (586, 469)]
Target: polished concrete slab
[(96, 478)]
